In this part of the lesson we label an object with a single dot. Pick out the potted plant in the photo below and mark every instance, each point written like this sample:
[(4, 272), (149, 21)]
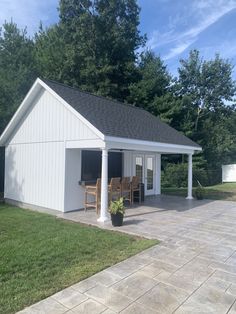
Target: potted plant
[(117, 210), (199, 192)]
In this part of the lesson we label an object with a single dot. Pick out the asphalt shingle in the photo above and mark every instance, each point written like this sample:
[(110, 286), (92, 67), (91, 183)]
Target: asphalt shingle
[(116, 119)]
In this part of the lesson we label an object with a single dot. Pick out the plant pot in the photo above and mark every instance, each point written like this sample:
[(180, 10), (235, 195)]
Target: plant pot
[(117, 219)]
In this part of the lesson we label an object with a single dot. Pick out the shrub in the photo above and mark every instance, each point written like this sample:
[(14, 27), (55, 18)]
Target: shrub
[(199, 192), (176, 175)]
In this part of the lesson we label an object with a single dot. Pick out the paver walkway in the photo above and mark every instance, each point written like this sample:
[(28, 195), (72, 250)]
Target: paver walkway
[(193, 270)]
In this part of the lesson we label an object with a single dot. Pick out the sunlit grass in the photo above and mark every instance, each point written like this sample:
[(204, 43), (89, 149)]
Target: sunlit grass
[(41, 254)]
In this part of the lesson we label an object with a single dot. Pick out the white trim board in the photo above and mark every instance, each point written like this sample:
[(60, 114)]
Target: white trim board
[(139, 145)]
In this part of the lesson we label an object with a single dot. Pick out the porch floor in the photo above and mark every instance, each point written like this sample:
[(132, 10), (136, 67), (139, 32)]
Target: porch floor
[(160, 217)]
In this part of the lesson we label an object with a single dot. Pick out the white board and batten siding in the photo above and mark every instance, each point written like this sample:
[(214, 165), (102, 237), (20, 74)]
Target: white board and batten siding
[(229, 173), (36, 155)]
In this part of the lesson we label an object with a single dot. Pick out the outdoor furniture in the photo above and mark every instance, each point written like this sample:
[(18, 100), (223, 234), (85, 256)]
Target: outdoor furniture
[(95, 192), (114, 189), (126, 189), (135, 186)]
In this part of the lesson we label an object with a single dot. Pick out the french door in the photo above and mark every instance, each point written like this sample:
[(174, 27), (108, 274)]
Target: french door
[(144, 169)]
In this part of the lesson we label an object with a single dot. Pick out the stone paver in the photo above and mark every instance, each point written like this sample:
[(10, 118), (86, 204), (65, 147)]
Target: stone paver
[(109, 297), (192, 270), (163, 298), (88, 307)]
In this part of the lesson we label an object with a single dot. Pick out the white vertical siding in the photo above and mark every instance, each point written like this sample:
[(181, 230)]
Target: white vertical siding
[(35, 156), (74, 193), (127, 164), (48, 120), (34, 174)]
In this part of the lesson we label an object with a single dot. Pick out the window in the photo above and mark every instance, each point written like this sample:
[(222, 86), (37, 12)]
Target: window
[(139, 168), (149, 173), (92, 162)]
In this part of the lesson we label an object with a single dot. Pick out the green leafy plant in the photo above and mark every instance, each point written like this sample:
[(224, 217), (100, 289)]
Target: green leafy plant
[(199, 192), (117, 206)]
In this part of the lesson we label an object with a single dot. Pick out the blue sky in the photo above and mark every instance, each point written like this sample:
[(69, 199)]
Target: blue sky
[(173, 27)]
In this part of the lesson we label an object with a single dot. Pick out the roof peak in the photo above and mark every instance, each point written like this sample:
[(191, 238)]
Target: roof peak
[(95, 95)]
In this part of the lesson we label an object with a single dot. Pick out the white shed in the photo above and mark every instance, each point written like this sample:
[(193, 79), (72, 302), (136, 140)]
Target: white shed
[(61, 137), (229, 173)]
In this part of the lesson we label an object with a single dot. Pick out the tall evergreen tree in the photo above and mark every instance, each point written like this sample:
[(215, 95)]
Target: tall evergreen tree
[(153, 81), (100, 40), (17, 69)]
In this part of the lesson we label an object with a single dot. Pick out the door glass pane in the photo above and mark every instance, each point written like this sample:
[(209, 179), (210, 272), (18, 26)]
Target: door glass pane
[(139, 168), (149, 173)]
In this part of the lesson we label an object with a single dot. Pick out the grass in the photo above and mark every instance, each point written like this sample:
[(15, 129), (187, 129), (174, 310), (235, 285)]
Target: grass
[(225, 191), (41, 254)]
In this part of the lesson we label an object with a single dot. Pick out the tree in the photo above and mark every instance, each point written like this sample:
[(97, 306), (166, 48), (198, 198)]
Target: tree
[(100, 40), (208, 84), (153, 81), (17, 70), (53, 55), (206, 89)]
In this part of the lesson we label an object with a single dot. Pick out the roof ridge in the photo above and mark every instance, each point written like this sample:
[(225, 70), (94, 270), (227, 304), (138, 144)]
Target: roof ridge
[(91, 94)]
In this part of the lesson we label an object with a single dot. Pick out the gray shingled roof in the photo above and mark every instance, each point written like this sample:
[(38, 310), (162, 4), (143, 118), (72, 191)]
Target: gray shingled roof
[(116, 119)]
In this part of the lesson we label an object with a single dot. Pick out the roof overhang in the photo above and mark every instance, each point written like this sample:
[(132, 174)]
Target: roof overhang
[(118, 143), (140, 145)]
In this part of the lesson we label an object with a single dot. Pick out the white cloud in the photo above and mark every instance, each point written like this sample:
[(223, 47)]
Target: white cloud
[(178, 49), (28, 12), (204, 12)]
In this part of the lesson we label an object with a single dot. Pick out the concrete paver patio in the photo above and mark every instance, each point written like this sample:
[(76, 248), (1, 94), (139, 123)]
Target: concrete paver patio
[(193, 269)]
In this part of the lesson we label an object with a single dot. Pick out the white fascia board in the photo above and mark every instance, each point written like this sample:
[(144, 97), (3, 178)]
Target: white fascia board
[(20, 112), (72, 110), (83, 144), (137, 145)]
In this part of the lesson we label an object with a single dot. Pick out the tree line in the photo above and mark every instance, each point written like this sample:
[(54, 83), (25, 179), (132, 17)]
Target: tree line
[(96, 46)]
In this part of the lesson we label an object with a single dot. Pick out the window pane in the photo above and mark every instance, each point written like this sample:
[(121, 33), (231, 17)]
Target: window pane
[(149, 173), (139, 168)]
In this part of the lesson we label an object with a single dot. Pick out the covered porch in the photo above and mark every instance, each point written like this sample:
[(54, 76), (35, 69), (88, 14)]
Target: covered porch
[(139, 158), (160, 217)]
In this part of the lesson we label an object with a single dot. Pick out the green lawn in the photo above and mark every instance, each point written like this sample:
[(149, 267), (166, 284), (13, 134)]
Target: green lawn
[(225, 191), (41, 254)]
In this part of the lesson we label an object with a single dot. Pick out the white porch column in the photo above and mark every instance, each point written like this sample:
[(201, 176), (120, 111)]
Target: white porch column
[(158, 174), (104, 186), (190, 177)]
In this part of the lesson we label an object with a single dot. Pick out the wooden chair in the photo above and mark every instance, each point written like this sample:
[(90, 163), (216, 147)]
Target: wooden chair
[(95, 192), (126, 189), (114, 189), (135, 187)]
